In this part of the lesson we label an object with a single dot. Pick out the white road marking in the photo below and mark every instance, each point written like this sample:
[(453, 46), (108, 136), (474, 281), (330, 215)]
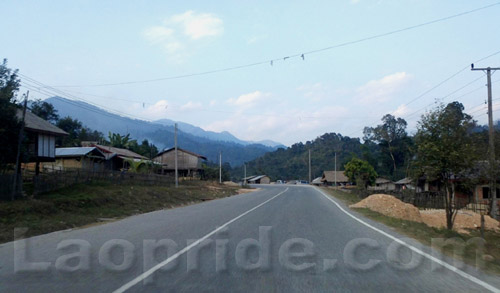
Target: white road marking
[(430, 257), (149, 272)]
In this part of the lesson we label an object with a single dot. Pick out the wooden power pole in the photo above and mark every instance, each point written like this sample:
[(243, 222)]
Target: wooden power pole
[(491, 128), (17, 168), (176, 170)]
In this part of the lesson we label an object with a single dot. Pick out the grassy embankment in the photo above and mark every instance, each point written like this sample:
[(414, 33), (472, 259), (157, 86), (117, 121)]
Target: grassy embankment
[(425, 234), (90, 203)]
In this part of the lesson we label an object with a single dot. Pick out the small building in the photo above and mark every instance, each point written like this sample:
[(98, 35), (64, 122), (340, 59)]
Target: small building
[(40, 138), (330, 177), (317, 181), (383, 184), (189, 164), (260, 179), (403, 184), (77, 158), (118, 158)]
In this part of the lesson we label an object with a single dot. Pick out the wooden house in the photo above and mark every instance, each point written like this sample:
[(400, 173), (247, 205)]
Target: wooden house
[(40, 138), (189, 164), (330, 177)]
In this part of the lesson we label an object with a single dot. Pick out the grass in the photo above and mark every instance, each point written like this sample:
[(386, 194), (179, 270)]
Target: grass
[(424, 234), (95, 202)]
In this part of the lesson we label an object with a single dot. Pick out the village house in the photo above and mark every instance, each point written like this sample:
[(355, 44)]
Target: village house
[(257, 179), (189, 164), (330, 177), (40, 140), (118, 159), (77, 158), (383, 184)]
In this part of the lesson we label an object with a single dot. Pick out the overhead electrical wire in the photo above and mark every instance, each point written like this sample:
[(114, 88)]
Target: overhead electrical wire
[(297, 55)]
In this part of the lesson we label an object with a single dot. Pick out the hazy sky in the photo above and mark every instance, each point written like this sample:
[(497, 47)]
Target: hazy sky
[(88, 43)]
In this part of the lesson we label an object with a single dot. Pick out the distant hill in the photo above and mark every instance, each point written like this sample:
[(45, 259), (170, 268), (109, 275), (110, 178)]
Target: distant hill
[(292, 163), (161, 133)]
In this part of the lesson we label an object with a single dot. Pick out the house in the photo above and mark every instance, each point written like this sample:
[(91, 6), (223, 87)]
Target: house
[(40, 138), (260, 179), (330, 177), (403, 184), (189, 164), (118, 158), (77, 158), (317, 181), (383, 184)]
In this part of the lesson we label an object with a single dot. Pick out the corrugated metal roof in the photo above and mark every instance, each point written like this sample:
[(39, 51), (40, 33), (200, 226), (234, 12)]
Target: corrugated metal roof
[(120, 152), (404, 181), (77, 152), (37, 124), (257, 177)]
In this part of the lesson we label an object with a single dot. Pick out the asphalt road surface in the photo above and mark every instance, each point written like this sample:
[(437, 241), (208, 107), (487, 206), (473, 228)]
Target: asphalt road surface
[(279, 239)]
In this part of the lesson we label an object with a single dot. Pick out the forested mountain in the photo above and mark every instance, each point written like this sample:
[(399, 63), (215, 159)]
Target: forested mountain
[(160, 134), (292, 163)]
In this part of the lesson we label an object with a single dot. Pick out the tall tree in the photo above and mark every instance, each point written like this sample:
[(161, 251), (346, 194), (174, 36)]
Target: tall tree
[(9, 124), (392, 138), (45, 111), (445, 149), (361, 172), (74, 128)]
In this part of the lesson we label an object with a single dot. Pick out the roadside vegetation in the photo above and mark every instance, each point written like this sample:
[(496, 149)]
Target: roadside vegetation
[(96, 202), (425, 234)]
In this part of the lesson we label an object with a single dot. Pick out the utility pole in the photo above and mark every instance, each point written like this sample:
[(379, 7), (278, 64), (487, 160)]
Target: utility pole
[(309, 166), (18, 156), (492, 161), (335, 170), (244, 173), (176, 170), (220, 167)]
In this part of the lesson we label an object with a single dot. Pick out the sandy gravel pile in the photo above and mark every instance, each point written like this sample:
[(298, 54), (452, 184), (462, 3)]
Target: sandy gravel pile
[(231, 183), (464, 220), (390, 206)]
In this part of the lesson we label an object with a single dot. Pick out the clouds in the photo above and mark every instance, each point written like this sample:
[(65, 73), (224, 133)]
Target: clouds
[(179, 32), (382, 90), (248, 100)]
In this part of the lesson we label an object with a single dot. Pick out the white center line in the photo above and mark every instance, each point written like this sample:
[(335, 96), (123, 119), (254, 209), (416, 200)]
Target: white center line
[(149, 272), (428, 256)]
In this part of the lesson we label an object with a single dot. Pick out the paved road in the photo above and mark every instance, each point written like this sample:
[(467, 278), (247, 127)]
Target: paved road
[(279, 239)]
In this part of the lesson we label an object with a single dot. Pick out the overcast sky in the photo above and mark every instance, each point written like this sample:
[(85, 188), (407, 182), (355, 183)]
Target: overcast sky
[(88, 43)]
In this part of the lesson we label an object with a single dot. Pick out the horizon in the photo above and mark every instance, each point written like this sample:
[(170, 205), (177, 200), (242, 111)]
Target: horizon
[(160, 58)]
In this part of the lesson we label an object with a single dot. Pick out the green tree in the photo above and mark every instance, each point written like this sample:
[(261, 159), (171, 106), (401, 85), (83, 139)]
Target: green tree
[(393, 141), (9, 124), (361, 172), (74, 128), (45, 111), (120, 141), (445, 149)]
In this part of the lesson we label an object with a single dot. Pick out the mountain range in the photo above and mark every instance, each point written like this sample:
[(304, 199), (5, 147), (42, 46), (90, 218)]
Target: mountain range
[(161, 132)]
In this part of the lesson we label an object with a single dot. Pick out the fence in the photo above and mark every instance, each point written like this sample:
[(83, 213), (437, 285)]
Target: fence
[(432, 200), (45, 182)]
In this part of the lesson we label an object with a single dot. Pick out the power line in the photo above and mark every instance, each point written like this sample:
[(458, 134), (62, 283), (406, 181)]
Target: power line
[(297, 55)]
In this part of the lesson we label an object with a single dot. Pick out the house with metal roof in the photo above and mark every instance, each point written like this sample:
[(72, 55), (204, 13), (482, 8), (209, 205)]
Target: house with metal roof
[(259, 179), (189, 164), (77, 158)]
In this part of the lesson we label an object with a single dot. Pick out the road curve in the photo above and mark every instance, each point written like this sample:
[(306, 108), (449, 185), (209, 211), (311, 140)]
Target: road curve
[(279, 239)]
